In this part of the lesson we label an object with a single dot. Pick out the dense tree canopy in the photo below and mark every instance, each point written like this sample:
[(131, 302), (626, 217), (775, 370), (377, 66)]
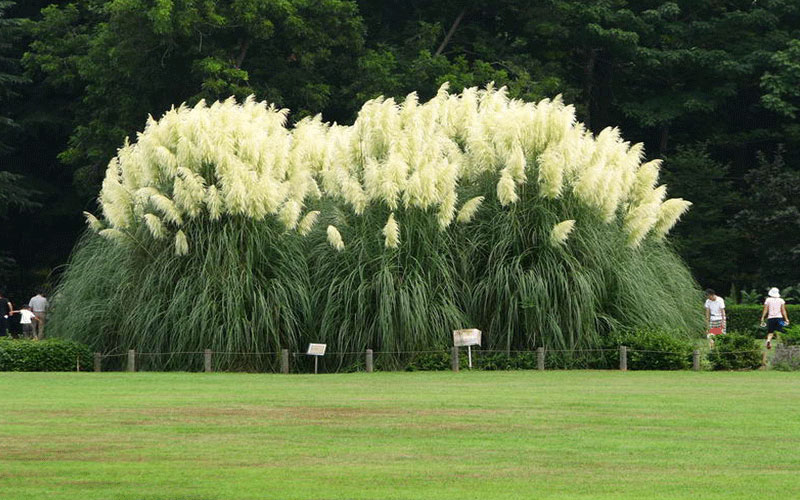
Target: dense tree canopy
[(710, 86)]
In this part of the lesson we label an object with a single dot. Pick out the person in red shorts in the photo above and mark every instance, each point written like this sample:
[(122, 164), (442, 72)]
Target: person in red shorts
[(715, 315)]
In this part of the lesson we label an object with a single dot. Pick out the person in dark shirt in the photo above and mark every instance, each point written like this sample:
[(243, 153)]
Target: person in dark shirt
[(5, 311)]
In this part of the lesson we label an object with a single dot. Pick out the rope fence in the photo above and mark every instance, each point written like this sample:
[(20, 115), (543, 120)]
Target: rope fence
[(285, 361)]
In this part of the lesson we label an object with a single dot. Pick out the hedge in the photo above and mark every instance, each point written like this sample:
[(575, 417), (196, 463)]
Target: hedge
[(51, 355), (648, 349), (745, 318)]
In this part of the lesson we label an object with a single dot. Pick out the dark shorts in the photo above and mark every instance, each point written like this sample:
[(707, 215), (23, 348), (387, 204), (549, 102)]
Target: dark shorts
[(775, 325)]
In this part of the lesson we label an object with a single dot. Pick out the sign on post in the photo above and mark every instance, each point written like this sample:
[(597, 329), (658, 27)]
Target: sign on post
[(467, 338), (316, 350)]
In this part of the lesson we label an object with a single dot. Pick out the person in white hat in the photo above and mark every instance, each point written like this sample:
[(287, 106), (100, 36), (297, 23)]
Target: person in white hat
[(775, 312)]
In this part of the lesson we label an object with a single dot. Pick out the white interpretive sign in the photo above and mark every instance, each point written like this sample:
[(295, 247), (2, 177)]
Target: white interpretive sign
[(316, 349), (467, 337)]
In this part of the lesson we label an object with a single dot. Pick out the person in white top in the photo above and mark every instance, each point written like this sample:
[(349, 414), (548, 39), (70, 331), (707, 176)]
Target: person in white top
[(775, 312), (26, 321), (715, 315)]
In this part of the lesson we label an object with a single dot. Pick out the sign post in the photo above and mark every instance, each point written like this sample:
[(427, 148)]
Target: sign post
[(467, 338), (316, 350)]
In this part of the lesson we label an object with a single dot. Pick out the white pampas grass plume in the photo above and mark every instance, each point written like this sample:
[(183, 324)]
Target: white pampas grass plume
[(290, 213), (307, 222), (167, 208), (335, 239), (181, 245), (645, 180), (516, 163), (155, 226), (469, 209), (639, 221), (506, 189), (561, 231), (113, 234), (93, 222), (213, 202), (391, 232), (668, 215), (551, 172)]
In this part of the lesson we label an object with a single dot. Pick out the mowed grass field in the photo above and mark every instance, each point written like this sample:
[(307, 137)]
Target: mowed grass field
[(478, 435)]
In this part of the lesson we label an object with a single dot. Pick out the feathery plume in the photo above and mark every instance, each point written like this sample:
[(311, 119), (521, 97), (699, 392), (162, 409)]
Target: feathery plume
[(335, 239), (181, 245), (155, 226), (560, 232), (391, 232), (668, 215), (469, 209), (93, 222), (307, 222)]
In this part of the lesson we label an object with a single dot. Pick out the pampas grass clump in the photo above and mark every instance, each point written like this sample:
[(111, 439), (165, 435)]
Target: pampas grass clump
[(222, 228)]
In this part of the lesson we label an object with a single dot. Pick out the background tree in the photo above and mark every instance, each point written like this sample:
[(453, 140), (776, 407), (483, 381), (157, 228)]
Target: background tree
[(671, 74)]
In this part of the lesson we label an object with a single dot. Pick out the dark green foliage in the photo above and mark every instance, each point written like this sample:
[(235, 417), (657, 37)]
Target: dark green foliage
[(652, 349), (735, 352), (746, 318), (772, 207), (791, 337), (51, 355), (502, 361), (430, 361)]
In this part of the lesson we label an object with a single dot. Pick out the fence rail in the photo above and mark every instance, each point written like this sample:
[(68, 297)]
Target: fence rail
[(284, 356)]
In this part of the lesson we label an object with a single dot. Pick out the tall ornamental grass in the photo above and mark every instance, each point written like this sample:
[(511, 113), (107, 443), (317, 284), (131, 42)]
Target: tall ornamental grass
[(222, 228)]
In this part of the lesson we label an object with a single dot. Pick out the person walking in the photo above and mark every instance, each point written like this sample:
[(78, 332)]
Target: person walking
[(26, 321), (6, 308), (715, 315), (775, 312), (39, 306)]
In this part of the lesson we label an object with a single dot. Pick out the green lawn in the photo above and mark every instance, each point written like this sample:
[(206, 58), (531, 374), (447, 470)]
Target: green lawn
[(479, 435)]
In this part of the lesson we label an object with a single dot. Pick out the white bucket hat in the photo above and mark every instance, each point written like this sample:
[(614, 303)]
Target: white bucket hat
[(774, 292)]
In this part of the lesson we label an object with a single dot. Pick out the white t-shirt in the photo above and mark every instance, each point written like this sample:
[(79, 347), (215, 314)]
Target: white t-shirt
[(715, 308), (774, 307), (25, 317)]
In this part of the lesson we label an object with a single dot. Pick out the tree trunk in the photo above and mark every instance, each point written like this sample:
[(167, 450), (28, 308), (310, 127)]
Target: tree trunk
[(450, 32), (588, 85)]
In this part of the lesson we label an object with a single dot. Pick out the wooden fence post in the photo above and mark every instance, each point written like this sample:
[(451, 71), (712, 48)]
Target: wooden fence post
[(207, 360), (540, 358), (454, 358), (623, 358), (97, 358), (284, 361), (696, 360), (370, 365), (131, 360)]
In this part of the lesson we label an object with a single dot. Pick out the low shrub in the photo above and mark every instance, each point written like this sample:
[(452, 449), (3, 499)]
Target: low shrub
[(786, 358), (650, 349), (51, 355), (503, 361), (429, 361), (735, 352), (791, 337)]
